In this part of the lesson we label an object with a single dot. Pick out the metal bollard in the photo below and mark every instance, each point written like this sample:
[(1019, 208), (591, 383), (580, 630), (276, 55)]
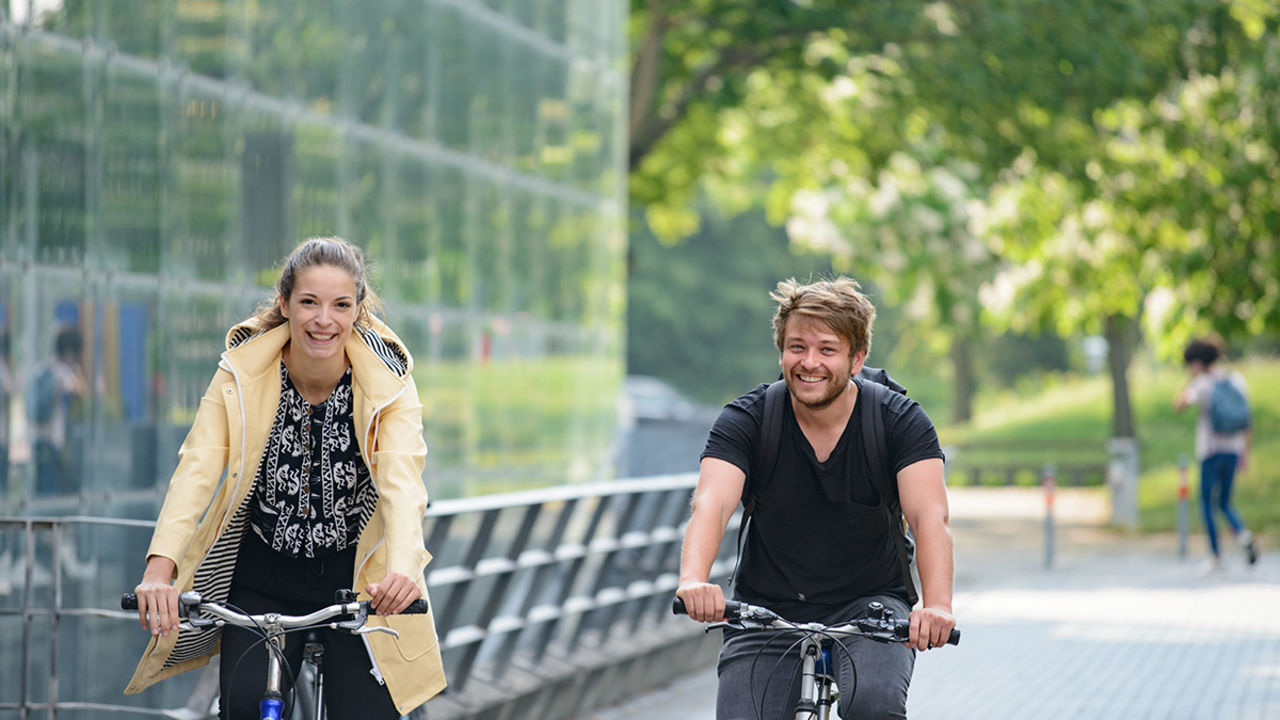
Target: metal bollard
[(1050, 483), (1184, 520)]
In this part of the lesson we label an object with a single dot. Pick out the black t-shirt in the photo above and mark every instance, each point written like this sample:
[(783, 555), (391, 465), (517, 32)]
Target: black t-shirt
[(819, 536)]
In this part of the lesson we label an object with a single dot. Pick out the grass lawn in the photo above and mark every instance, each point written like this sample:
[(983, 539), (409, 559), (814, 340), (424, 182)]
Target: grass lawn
[(1075, 410)]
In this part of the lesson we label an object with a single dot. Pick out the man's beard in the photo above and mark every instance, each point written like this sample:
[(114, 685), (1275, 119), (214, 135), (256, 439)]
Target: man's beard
[(824, 402)]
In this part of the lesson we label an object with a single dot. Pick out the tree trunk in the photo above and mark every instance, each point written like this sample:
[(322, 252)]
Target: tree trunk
[(962, 368), (1120, 341)]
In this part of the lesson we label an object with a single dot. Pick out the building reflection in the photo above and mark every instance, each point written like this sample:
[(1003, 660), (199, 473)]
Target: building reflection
[(158, 157)]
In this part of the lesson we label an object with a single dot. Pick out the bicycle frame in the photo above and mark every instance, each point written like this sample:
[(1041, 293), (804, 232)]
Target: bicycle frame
[(817, 681), (313, 662)]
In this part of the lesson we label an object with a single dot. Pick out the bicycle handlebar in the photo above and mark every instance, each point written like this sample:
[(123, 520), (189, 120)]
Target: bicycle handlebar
[(878, 624), (344, 605)]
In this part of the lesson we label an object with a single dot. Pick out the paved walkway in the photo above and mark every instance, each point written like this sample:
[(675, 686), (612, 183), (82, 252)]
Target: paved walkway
[(1119, 627)]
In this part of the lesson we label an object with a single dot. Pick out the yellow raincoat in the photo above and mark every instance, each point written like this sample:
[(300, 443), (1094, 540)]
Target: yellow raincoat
[(205, 511)]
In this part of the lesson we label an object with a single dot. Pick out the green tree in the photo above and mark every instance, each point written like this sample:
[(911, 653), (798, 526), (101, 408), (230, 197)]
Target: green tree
[(1169, 220), (806, 102)]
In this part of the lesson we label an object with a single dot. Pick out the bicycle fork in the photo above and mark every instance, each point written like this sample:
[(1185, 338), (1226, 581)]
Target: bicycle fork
[(816, 681)]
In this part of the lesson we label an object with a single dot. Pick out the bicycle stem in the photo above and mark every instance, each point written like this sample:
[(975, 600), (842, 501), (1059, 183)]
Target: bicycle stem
[(807, 707)]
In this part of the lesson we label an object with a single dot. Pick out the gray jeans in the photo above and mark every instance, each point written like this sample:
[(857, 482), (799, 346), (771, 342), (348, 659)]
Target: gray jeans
[(760, 672)]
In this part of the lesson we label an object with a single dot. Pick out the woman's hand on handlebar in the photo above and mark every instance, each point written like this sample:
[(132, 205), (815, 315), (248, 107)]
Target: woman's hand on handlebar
[(393, 594), (930, 628), (157, 597), (704, 601)]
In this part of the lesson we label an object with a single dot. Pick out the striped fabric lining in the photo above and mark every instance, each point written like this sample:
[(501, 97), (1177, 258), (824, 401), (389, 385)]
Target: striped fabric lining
[(390, 354), (213, 582), (240, 334)]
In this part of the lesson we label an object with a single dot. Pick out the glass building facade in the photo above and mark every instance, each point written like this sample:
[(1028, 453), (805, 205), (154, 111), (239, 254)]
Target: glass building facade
[(158, 158)]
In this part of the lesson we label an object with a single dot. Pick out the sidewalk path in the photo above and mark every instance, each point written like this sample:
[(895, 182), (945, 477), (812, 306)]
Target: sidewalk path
[(1118, 628)]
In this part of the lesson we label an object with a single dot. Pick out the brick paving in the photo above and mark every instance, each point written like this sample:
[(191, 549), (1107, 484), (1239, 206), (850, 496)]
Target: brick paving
[(1119, 627)]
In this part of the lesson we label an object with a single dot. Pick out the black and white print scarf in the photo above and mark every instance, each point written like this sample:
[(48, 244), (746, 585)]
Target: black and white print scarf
[(313, 493)]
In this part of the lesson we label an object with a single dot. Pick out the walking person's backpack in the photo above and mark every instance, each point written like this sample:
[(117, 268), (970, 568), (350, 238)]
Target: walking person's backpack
[(875, 381), (1228, 408)]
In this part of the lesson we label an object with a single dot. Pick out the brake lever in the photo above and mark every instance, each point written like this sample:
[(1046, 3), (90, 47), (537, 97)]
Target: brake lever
[(375, 628), (360, 613)]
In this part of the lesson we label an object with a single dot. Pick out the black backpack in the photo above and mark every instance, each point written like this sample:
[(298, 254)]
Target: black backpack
[(874, 382)]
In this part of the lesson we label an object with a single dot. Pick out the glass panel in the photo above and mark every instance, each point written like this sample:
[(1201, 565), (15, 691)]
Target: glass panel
[(317, 196), (527, 227), (367, 80), (267, 184), (133, 170), (489, 232), (291, 45), (128, 375), (10, 157), (203, 193), (11, 421), (367, 195), (413, 274), (453, 258), (206, 38), (51, 114), (137, 27), (416, 60), (444, 381), (458, 70), (57, 391)]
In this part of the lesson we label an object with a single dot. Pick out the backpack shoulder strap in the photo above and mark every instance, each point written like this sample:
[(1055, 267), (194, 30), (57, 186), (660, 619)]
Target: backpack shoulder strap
[(763, 459), (765, 455), (875, 447), (873, 442)]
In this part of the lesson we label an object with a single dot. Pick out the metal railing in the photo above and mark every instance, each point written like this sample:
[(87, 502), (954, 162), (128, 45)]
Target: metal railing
[(1019, 463), (531, 591)]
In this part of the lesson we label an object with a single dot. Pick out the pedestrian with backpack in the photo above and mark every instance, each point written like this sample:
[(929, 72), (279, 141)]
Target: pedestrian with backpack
[(826, 474), (1223, 431)]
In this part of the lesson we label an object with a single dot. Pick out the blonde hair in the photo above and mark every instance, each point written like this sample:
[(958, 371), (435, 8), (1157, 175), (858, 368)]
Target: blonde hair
[(316, 251), (838, 302)]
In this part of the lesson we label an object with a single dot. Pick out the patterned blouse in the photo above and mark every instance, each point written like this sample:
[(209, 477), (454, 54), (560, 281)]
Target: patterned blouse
[(313, 494)]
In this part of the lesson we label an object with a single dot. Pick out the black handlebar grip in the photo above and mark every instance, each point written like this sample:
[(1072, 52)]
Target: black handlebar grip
[(417, 607), (732, 608), (902, 631)]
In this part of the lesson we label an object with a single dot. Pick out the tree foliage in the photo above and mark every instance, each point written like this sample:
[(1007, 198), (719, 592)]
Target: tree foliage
[(1083, 164)]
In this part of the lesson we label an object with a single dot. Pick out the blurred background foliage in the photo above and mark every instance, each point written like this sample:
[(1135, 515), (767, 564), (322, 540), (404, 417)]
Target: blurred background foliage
[(1007, 177)]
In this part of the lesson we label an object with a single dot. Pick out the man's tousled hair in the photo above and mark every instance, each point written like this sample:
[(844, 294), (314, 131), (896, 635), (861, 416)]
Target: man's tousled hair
[(838, 302)]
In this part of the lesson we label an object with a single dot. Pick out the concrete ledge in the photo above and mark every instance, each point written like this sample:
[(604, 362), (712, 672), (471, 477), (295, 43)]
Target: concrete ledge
[(562, 687)]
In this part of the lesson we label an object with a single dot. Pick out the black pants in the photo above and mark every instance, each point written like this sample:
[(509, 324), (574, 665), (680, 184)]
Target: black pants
[(267, 581)]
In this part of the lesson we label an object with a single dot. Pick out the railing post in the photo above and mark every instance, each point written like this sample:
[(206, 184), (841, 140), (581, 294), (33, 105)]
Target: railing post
[(1184, 520), (28, 595), (55, 620), (1050, 483)]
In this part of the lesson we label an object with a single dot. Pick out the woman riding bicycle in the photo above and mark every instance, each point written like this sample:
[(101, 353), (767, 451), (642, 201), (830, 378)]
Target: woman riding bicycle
[(315, 420)]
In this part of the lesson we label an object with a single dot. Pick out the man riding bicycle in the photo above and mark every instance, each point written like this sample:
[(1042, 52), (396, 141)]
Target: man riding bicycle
[(820, 544)]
